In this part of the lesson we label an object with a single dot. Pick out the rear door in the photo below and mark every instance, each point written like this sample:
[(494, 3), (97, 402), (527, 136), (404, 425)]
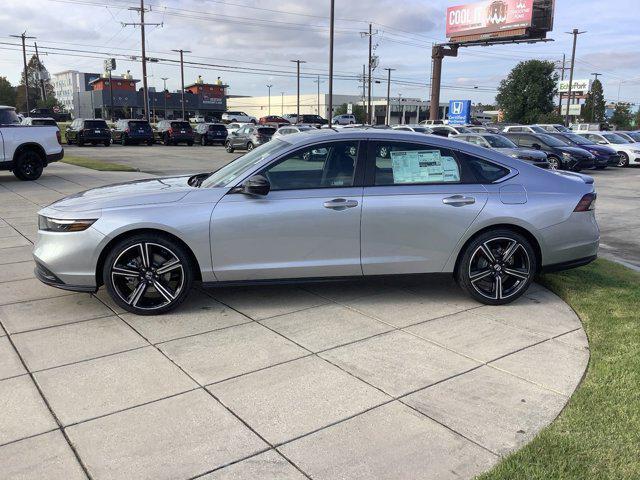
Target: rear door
[(418, 201)]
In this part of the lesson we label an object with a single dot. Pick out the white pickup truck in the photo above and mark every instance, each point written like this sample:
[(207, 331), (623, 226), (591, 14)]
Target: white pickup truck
[(26, 150)]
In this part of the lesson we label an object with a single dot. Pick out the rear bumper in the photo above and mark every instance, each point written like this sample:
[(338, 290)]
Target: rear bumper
[(557, 267), (95, 138), (570, 241), (54, 157)]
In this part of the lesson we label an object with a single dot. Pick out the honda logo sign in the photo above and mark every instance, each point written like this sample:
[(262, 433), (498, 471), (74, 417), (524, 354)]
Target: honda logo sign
[(459, 112)]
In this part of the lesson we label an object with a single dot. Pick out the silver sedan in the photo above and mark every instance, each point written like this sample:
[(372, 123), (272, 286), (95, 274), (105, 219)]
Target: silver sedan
[(341, 205)]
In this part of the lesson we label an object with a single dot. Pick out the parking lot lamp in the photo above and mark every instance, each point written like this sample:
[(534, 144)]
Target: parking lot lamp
[(269, 109), (164, 92), (182, 52), (298, 62)]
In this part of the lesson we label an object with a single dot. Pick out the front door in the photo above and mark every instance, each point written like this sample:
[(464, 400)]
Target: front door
[(308, 225), (418, 203)]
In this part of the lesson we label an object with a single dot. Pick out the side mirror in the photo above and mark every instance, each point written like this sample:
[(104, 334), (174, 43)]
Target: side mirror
[(536, 146), (255, 185)]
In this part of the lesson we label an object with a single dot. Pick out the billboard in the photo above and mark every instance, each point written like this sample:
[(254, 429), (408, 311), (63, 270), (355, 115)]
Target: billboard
[(489, 17), (578, 86), (459, 112)]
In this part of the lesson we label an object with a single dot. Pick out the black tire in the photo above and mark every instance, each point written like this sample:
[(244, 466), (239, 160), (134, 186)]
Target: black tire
[(203, 141), (228, 147), (28, 165), (123, 141), (484, 278), (107, 143), (624, 160), (150, 143), (166, 141), (250, 146), (80, 143), (157, 293), (190, 143), (554, 163)]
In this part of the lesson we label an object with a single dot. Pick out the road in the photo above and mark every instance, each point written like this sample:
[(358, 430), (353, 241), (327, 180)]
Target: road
[(618, 206)]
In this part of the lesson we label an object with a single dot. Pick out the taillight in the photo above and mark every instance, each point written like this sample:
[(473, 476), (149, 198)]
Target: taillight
[(126, 130), (170, 131), (59, 137), (586, 203)]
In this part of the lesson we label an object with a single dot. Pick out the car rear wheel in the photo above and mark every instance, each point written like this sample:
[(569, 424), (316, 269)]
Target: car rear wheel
[(228, 147), (249, 146), (497, 267), (190, 143), (203, 141), (28, 165), (554, 163), (123, 140), (150, 142), (148, 274), (624, 160), (107, 143)]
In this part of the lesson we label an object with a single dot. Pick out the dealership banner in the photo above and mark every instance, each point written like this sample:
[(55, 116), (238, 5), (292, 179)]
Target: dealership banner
[(459, 112), (582, 85), (489, 16)]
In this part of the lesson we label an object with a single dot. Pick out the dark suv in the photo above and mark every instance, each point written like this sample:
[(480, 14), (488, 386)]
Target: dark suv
[(248, 137), (132, 131), (210, 133), (313, 120), (173, 132), (559, 154), (84, 130)]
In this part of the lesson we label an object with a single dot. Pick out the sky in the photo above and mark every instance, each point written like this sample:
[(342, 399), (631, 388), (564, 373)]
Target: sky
[(250, 43)]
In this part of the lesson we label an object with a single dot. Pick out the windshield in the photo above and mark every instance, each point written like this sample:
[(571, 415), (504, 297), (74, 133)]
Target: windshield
[(635, 136), (579, 140), (496, 141), (537, 129), (217, 128), (266, 131), (180, 125), (8, 116), (561, 138), (95, 124), (233, 170), (43, 121), (139, 125), (615, 138), (552, 141)]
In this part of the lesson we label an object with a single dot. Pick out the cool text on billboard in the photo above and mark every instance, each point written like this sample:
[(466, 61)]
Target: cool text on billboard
[(489, 16)]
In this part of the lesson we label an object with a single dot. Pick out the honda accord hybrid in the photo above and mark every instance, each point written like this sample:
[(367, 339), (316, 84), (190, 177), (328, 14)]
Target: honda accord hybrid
[(324, 205)]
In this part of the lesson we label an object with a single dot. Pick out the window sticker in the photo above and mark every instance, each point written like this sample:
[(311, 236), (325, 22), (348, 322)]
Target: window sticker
[(423, 166)]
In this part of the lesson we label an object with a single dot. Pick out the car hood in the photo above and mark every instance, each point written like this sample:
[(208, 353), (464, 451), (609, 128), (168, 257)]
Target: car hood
[(525, 153), (575, 151), (140, 192), (599, 149)]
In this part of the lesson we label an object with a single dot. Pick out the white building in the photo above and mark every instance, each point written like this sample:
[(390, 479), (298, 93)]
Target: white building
[(68, 85), (411, 110)]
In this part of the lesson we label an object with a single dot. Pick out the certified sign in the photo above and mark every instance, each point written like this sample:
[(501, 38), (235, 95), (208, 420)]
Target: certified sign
[(459, 112)]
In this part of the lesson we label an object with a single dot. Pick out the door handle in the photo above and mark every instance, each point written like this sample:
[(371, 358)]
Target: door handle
[(340, 204), (458, 201)]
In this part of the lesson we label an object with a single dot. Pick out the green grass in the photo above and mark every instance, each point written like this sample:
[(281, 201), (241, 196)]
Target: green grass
[(597, 436), (97, 164)]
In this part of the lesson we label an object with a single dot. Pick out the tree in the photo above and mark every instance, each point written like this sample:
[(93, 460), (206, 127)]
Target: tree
[(358, 111), (637, 120), (34, 70), (527, 93), (7, 92), (622, 116), (594, 106)]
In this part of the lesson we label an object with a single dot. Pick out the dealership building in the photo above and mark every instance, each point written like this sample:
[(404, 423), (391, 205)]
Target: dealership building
[(403, 110)]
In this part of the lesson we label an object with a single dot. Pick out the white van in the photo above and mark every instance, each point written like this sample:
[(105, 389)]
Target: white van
[(347, 119)]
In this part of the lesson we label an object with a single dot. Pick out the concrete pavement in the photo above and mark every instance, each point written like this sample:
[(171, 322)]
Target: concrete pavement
[(399, 379)]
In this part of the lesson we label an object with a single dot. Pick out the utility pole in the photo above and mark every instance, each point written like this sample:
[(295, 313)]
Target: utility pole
[(145, 91), (364, 89), (318, 81), (43, 90), (281, 103), (389, 70), (596, 75), (369, 34), (562, 69), (164, 92), (298, 62), (182, 52), (269, 110), (24, 37), (331, 37), (575, 34)]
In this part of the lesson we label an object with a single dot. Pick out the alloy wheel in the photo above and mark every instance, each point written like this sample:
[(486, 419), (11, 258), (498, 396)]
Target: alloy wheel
[(499, 268), (624, 160), (554, 164), (147, 276)]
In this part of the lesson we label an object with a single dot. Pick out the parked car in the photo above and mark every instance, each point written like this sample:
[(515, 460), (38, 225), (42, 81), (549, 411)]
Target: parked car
[(291, 129), (173, 132), (347, 119), (449, 130), (278, 213), (27, 151), (605, 156), (210, 134), (629, 152), (554, 127), (626, 136), (506, 146), (88, 130), (523, 129), (434, 122), (635, 135), (239, 117), (249, 137), (37, 121), (559, 154), (273, 120), (134, 132), (311, 119), (590, 127), (484, 129), (234, 127), (413, 128)]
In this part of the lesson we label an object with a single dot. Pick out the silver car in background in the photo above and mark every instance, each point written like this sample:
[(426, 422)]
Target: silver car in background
[(344, 204)]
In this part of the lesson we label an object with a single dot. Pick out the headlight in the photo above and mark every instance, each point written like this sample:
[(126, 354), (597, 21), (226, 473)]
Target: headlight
[(47, 224)]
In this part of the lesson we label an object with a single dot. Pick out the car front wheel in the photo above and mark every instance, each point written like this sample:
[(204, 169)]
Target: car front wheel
[(28, 165), (497, 267), (229, 147), (148, 274), (624, 160), (554, 163)]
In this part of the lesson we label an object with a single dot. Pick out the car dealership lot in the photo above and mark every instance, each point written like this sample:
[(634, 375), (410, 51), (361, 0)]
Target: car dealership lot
[(352, 380)]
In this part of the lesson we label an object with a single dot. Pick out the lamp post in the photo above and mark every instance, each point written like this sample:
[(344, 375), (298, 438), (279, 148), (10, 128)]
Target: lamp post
[(298, 62), (269, 87)]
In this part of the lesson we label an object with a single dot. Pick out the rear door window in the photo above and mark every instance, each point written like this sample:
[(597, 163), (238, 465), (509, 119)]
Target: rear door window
[(95, 124), (180, 125)]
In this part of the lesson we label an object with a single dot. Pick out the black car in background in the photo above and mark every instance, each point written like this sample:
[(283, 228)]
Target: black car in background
[(316, 120), (88, 130), (559, 154), (132, 132), (210, 134), (173, 132), (605, 156), (506, 146), (249, 137)]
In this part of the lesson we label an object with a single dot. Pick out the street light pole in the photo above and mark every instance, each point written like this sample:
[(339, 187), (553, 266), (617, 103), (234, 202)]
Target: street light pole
[(164, 92), (269, 87), (331, 38), (389, 70), (182, 52), (575, 34), (318, 81), (281, 103), (298, 62), (24, 37)]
